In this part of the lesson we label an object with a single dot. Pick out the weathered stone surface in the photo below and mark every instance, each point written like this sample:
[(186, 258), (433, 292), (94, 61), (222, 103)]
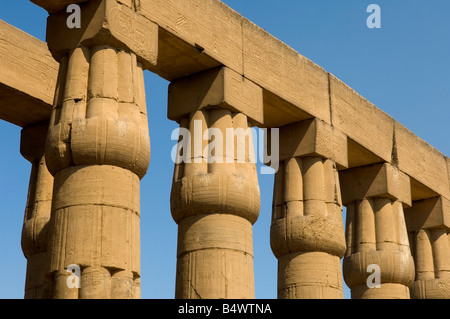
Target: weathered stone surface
[(281, 70), (107, 22), (428, 213), (313, 138), (98, 149), (215, 201), (307, 231), (220, 87), (431, 249), (376, 231), (360, 120), (227, 73), (208, 25), (28, 76), (448, 170), (376, 234), (378, 180), (421, 161), (35, 230)]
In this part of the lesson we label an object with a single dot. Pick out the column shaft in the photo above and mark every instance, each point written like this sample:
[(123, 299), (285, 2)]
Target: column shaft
[(37, 212), (378, 262), (430, 241), (307, 234), (98, 150), (215, 200), (215, 196)]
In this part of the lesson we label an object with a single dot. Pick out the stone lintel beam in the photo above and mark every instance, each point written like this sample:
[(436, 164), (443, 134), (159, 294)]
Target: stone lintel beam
[(32, 141), (313, 137), (107, 22), (28, 75), (428, 213), (219, 87), (425, 164), (378, 180)]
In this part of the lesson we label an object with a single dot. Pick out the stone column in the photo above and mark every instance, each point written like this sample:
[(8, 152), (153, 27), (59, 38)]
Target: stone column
[(98, 149), (215, 196), (377, 240), (37, 212), (429, 229), (307, 231)]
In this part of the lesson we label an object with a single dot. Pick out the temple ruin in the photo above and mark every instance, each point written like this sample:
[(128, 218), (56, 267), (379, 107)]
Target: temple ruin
[(80, 100)]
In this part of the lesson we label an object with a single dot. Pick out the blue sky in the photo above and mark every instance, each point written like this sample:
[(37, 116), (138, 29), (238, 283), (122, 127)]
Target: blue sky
[(403, 68)]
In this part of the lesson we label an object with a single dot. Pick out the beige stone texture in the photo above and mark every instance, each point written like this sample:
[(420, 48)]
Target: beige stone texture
[(378, 180), (27, 77), (215, 257), (376, 234), (188, 45), (360, 120), (421, 161), (428, 213), (107, 22), (307, 231), (313, 138), (376, 231), (281, 70), (448, 169), (215, 204), (309, 269), (221, 87), (191, 22), (98, 149), (278, 112), (431, 249), (35, 229), (92, 124), (228, 73)]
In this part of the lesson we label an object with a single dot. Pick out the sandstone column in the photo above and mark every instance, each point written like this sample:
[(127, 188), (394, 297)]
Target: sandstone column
[(428, 226), (376, 232), (98, 148), (215, 196), (37, 211), (307, 231)]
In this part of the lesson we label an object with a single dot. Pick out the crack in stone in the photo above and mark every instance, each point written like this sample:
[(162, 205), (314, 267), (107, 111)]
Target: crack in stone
[(195, 290)]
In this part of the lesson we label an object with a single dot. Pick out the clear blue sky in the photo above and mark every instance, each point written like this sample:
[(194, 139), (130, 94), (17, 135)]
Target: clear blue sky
[(403, 68)]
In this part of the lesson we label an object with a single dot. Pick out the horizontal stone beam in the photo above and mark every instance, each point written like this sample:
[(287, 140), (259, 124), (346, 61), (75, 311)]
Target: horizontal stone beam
[(108, 22), (220, 36), (28, 76), (378, 180), (294, 88), (313, 138), (360, 120), (217, 87), (421, 161), (429, 213), (199, 35)]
